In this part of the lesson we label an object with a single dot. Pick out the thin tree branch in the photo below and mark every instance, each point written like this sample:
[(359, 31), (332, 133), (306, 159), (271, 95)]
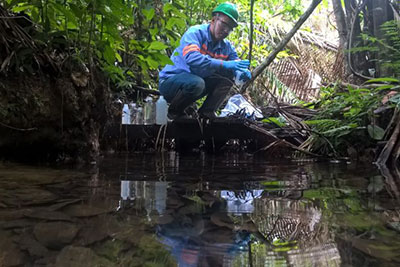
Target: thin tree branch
[(18, 129), (251, 29)]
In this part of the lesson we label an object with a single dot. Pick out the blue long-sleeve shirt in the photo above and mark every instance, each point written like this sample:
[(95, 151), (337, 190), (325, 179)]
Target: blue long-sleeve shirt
[(198, 54)]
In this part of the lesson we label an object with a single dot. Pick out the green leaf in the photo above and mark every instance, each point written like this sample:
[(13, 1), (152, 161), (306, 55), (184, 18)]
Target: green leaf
[(156, 45), (153, 64), (322, 121), (395, 99), (342, 130), (386, 79), (67, 13), (148, 13), (118, 56), (109, 55), (78, 12), (154, 31), (22, 8), (375, 132), (175, 22), (384, 87), (275, 120), (163, 59)]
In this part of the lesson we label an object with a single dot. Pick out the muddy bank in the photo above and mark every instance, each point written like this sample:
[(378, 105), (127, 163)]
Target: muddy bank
[(56, 117)]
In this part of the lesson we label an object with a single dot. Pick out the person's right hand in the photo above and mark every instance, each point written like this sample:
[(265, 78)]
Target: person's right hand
[(236, 64)]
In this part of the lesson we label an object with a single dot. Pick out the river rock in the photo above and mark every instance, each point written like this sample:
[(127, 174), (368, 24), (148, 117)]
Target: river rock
[(84, 210), (33, 196), (96, 229), (10, 255), (49, 215), (62, 203), (55, 235), (34, 248), (80, 257), (22, 223)]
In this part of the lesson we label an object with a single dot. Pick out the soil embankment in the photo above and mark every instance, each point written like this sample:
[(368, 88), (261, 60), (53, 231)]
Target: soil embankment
[(53, 118)]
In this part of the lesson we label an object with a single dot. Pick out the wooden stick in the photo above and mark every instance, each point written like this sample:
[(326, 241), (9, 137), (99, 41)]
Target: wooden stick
[(387, 150), (281, 141)]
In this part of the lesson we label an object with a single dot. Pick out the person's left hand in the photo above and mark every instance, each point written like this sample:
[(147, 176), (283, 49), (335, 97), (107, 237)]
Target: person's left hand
[(246, 75)]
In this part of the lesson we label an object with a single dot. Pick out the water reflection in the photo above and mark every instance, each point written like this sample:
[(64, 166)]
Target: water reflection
[(150, 195), (230, 212), (167, 210)]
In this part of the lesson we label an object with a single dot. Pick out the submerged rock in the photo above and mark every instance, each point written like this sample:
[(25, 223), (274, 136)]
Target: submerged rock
[(80, 257), (34, 248), (84, 210), (10, 254), (49, 216), (55, 235)]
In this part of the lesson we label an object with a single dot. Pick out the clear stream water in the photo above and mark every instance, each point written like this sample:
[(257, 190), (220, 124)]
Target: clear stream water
[(199, 210)]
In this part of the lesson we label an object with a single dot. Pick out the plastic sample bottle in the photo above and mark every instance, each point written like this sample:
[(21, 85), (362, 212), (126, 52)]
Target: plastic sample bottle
[(133, 113), (139, 116), (148, 112), (161, 111), (126, 114), (237, 79)]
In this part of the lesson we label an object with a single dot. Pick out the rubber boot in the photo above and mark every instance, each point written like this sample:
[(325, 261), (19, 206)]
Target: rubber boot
[(214, 99), (178, 105)]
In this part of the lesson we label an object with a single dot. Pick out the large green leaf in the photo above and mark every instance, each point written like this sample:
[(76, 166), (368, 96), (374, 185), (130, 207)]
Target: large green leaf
[(109, 55), (67, 13), (149, 13), (385, 79), (156, 45), (163, 59), (376, 132)]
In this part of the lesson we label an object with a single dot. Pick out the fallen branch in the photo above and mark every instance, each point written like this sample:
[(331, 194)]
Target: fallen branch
[(257, 71), (388, 149), (18, 129), (280, 141), (146, 90)]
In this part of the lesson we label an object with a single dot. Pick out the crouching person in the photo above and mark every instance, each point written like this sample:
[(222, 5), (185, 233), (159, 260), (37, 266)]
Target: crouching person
[(204, 65)]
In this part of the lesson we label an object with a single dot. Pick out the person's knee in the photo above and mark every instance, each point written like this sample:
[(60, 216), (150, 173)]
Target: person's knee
[(195, 88)]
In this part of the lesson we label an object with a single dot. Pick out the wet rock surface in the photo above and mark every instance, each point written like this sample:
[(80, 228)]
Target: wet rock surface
[(10, 254), (80, 257), (55, 235), (34, 248)]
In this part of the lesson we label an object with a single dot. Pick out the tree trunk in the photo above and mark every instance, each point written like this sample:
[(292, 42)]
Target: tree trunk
[(340, 22), (380, 16), (343, 34)]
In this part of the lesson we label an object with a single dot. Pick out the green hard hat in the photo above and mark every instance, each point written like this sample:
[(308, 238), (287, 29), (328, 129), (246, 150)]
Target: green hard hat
[(228, 9)]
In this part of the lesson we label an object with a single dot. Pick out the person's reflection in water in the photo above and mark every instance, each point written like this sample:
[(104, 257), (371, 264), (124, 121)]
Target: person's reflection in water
[(195, 241)]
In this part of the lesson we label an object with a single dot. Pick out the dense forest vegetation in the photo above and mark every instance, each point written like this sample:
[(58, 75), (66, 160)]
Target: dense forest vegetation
[(63, 64)]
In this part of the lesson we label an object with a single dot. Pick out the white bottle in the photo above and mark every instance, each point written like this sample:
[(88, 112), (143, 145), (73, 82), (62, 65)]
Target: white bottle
[(126, 114), (161, 111)]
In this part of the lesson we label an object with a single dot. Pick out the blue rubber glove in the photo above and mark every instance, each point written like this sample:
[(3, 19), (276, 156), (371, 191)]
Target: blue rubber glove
[(236, 64), (246, 75)]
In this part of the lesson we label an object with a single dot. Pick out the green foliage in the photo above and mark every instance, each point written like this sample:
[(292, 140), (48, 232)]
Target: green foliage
[(126, 38), (132, 40), (278, 121), (346, 119), (388, 47)]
